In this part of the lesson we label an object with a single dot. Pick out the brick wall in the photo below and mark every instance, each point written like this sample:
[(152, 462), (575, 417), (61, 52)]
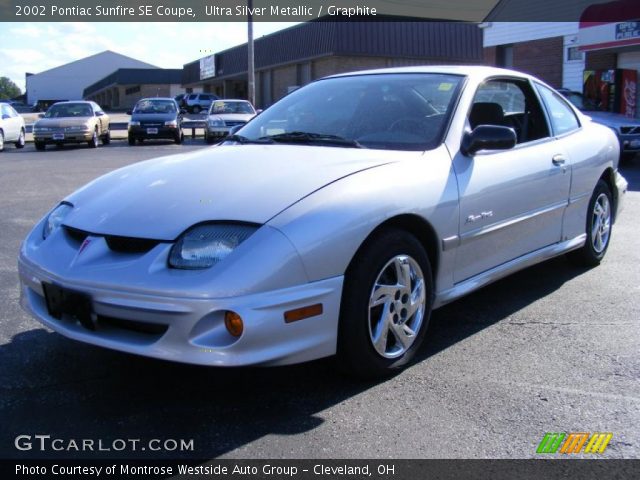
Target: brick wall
[(541, 58), (600, 60)]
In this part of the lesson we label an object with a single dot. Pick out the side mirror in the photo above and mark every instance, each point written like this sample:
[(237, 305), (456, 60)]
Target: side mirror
[(5, 116), (488, 137), (128, 112), (259, 111), (233, 130), (99, 114), (41, 115)]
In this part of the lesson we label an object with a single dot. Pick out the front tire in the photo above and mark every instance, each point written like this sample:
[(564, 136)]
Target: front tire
[(598, 228), (106, 138), (386, 304), (93, 143), (1, 140), (21, 140), (179, 138), (132, 140)]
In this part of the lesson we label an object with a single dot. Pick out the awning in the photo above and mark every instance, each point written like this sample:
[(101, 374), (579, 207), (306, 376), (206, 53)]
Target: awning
[(610, 25)]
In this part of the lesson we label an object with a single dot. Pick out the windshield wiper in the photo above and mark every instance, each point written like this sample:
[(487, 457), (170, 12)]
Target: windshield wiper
[(307, 137), (244, 140)]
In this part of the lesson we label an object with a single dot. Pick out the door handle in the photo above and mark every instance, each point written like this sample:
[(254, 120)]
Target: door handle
[(558, 160)]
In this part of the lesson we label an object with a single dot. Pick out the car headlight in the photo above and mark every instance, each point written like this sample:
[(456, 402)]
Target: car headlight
[(207, 244), (171, 123), (216, 123), (55, 218), (133, 123)]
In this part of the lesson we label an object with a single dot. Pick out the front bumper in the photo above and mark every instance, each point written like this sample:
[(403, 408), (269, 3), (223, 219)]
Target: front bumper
[(191, 330), (64, 137), (217, 132), (147, 132)]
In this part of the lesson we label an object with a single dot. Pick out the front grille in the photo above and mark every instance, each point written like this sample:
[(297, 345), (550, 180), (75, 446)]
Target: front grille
[(233, 123), (75, 234), (130, 244), (630, 130), (132, 325), (115, 243)]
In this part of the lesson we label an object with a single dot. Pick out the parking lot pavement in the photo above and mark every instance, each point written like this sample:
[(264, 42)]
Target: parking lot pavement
[(551, 349)]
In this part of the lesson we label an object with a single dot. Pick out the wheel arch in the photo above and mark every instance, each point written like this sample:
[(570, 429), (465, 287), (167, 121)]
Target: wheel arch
[(417, 226), (609, 177)]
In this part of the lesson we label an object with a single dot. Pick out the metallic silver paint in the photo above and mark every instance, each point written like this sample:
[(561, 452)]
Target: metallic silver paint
[(316, 205)]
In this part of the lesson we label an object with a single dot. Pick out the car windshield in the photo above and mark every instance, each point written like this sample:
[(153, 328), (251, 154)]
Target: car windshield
[(223, 106), (404, 111), (155, 106), (69, 110)]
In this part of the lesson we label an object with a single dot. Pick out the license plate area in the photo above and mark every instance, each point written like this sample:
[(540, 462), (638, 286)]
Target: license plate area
[(58, 136), (63, 302), (152, 131)]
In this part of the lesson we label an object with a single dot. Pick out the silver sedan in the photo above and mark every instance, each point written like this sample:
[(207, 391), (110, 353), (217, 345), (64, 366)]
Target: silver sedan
[(331, 224)]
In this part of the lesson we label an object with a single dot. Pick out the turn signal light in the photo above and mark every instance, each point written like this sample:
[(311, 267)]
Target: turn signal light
[(234, 323), (302, 313)]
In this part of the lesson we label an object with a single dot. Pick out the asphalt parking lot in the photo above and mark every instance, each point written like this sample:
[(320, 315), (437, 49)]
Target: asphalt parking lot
[(551, 349)]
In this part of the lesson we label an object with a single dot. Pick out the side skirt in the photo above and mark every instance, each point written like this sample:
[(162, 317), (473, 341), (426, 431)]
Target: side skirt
[(467, 286)]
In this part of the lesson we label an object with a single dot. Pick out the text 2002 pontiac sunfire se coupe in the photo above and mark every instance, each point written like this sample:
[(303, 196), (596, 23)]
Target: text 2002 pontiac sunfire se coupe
[(331, 224)]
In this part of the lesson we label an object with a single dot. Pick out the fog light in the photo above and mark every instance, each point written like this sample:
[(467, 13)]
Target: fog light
[(234, 324)]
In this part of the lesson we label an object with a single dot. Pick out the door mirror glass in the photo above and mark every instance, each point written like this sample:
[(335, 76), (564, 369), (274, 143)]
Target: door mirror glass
[(488, 137)]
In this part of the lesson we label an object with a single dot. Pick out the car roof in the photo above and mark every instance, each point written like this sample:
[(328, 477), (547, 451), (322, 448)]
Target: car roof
[(478, 71), (157, 98), (88, 102)]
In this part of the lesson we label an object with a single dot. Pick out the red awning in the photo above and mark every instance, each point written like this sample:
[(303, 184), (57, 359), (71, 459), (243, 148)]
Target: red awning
[(617, 11)]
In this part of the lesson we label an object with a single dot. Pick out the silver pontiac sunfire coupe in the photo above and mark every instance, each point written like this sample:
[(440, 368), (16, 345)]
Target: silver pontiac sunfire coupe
[(331, 224)]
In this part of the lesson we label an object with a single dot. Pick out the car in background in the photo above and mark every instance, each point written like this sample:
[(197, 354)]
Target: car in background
[(224, 115), (155, 118), (331, 224), (627, 129), (197, 102), (12, 129), (72, 122)]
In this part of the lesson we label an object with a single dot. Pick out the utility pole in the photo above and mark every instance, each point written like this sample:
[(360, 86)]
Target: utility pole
[(251, 73)]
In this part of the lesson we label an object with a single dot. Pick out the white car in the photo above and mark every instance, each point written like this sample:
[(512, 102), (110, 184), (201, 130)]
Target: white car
[(12, 129), (331, 224), (225, 115)]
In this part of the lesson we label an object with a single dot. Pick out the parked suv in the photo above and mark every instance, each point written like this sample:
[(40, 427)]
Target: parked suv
[(196, 102), (11, 126)]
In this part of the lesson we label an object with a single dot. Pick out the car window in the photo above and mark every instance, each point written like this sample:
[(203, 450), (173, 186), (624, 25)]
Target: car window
[(222, 106), (563, 118), (509, 103), (3, 110), (384, 111), (193, 96), (61, 110), (12, 111), (155, 106), (205, 97)]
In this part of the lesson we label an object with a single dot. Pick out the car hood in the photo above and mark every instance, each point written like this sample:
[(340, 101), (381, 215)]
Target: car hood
[(161, 198), (154, 117), (234, 117), (612, 119), (62, 122)]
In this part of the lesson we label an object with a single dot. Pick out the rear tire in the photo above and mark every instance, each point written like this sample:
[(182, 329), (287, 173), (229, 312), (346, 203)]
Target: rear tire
[(132, 140), (21, 140), (386, 304), (106, 138), (598, 228)]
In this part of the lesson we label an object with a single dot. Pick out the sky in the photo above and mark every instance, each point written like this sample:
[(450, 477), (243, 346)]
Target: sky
[(35, 47)]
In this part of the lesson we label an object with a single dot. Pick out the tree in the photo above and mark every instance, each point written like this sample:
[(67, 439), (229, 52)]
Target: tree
[(8, 89)]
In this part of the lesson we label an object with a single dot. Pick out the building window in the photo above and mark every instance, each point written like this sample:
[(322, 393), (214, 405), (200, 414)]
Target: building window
[(504, 56), (574, 54), (132, 90)]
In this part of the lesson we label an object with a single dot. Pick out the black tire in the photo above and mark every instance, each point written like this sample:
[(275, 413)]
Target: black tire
[(93, 143), (132, 140), (178, 139), (20, 143), (1, 140), (356, 352), (106, 138), (592, 252), (40, 146), (141, 141)]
